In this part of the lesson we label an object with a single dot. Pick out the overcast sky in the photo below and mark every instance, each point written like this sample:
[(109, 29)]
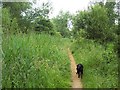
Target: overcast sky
[(69, 5), (66, 5)]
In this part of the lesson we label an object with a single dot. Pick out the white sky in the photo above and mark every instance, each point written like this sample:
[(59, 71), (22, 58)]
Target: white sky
[(69, 5), (66, 5)]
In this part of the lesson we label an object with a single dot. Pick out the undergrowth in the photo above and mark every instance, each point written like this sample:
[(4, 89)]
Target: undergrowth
[(100, 63), (35, 61)]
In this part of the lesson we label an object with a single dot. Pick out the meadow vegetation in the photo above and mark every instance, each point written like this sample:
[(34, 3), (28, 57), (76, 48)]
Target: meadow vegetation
[(35, 61), (100, 63), (35, 45)]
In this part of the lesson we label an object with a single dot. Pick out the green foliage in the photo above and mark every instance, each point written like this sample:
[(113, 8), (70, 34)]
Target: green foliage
[(42, 11), (110, 12), (24, 17), (80, 21), (16, 9), (38, 18), (43, 25), (95, 22), (40, 60), (1, 54), (118, 30), (100, 64), (117, 46), (98, 20), (9, 25), (60, 23), (35, 61)]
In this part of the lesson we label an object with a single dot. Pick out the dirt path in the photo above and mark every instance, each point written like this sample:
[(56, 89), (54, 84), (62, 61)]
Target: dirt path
[(76, 83)]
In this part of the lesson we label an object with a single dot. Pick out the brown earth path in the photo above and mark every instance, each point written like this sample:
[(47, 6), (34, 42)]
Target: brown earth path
[(76, 82)]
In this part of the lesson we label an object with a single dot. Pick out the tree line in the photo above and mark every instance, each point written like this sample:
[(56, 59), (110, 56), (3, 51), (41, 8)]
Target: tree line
[(96, 23)]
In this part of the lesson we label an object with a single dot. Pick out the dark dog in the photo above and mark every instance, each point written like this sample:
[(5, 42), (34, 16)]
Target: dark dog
[(79, 70)]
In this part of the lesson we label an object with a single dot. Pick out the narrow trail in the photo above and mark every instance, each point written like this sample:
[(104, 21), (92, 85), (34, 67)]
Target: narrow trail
[(76, 82)]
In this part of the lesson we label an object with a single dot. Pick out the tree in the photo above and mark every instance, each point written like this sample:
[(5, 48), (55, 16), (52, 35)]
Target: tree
[(38, 18), (60, 23), (110, 11), (16, 9), (79, 23), (118, 29), (95, 22), (43, 25), (13, 12), (44, 10), (26, 16), (10, 26)]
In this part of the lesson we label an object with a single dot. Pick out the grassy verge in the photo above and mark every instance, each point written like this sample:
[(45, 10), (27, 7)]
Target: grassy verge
[(100, 64), (35, 61)]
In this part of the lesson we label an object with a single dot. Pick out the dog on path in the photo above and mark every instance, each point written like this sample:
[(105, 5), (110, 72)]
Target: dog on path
[(79, 70)]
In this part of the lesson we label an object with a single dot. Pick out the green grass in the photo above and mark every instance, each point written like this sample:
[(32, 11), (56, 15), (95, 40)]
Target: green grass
[(100, 64), (35, 61), (39, 61)]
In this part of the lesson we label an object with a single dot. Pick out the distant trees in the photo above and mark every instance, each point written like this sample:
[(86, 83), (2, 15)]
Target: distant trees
[(39, 18), (9, 24), (110, 6), (21, 17), (118, 29), (12, 15), (79, 23), (60, 23), (43, 25), (98, 22)]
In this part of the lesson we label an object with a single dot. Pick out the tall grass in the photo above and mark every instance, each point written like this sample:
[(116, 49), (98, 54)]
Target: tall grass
[(1, 53), (35, 61), (100, 64)]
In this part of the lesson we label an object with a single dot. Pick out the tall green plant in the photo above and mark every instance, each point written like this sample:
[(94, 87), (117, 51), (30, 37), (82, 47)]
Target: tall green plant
[(95, 22), (35, 61), (60, 23), (9, 24)]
